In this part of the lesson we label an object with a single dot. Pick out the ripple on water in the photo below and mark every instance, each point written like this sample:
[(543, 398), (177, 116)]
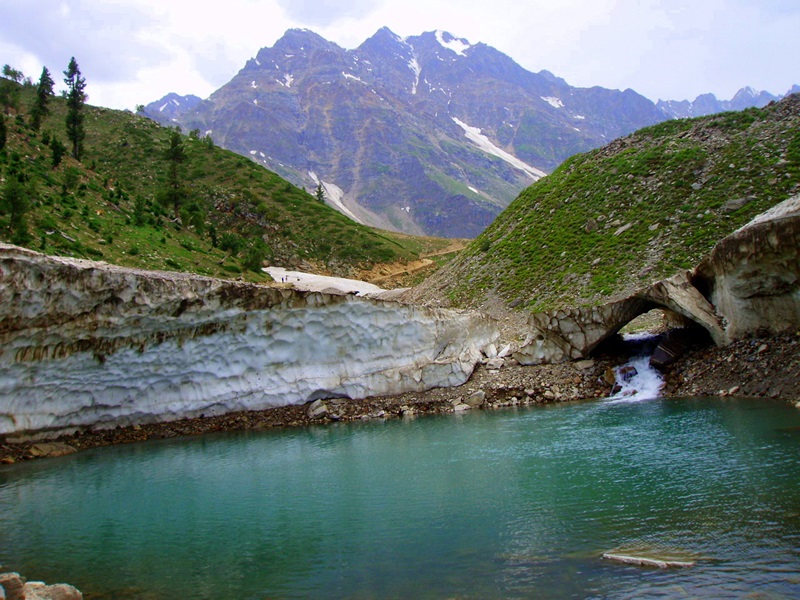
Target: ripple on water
[(491, 505)]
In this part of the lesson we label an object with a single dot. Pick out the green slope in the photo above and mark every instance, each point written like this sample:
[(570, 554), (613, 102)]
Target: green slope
[(107, 206), (640, 209)]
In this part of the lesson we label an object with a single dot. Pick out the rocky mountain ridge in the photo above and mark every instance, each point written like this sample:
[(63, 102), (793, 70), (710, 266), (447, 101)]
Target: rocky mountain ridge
[(428, 134), (708, 104)]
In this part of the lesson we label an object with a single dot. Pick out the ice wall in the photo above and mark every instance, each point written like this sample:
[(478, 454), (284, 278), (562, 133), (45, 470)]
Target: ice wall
[(89, 344)]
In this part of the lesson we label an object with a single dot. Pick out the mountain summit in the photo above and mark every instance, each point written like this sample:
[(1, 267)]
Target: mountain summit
[(429, 134)]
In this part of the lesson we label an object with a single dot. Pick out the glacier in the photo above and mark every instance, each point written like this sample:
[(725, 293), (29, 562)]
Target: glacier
[(87, 344)]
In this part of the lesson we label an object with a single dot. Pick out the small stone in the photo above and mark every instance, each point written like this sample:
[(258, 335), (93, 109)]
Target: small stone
[(494, 364), (583, 365), (762, 348), (7, 460), (623, 229), (461, 407), (734, 390), (530, 392), (549, 395)]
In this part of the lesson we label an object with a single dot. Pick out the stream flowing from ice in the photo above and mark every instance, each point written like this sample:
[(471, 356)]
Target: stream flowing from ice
[(636, 379)]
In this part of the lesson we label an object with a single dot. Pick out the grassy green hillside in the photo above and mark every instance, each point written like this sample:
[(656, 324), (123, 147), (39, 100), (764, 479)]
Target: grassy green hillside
[(640, 209), (233, 214)]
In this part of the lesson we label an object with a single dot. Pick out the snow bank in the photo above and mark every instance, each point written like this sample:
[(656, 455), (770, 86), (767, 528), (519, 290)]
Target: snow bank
[(88, 344)]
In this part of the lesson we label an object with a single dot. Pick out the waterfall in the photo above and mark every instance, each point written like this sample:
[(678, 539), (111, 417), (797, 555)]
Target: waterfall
[(637, 379)]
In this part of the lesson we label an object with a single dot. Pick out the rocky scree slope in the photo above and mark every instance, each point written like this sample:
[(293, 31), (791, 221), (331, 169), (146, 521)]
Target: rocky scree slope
[(427, 134), (629, 214)]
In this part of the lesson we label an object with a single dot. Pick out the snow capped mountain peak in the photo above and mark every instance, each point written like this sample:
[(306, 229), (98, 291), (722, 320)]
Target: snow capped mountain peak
[(450, 42)]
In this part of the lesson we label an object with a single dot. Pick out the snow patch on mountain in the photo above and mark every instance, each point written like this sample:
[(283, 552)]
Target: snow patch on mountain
[(484, 143), (553, 101), (335, 194), (413, 64), (448, 41), (288, 79), (353, 77)]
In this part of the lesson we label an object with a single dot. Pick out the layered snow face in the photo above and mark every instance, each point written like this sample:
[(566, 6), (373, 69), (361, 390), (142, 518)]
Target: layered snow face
[(87, 344), (484, 143)]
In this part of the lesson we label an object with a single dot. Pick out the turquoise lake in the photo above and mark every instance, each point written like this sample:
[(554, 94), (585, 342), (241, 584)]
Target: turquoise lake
[(504, 504)]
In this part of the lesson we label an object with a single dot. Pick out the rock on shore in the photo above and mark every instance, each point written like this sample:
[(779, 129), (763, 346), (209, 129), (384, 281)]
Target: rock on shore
[(14, 587)]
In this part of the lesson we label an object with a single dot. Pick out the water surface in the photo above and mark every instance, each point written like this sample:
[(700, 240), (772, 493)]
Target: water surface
[(506, 504)]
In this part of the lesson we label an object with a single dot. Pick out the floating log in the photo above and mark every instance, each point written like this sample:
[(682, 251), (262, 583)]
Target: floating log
[(644, 561)]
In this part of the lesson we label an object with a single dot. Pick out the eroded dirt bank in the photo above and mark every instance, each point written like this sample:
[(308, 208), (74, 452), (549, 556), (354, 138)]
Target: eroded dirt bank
[(766, 367)]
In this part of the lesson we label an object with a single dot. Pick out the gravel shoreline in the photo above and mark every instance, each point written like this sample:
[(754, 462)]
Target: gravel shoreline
[(767, 367)]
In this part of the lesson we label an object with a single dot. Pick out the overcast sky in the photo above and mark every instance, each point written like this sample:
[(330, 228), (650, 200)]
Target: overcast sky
[(136, 51)]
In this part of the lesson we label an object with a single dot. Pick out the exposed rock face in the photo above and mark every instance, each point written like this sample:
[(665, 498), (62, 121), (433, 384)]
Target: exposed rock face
[(88, 344), (749, 283)]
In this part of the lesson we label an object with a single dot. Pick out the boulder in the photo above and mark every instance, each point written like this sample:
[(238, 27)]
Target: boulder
[(671, 347), (476, 399), (13, 585), (36, 590), (51, 449), (317, 409)]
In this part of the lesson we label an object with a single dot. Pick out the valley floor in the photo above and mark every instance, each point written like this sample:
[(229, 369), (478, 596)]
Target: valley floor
[(767, 367)]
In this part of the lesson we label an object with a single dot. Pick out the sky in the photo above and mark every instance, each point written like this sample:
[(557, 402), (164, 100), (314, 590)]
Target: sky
[(136, 51)]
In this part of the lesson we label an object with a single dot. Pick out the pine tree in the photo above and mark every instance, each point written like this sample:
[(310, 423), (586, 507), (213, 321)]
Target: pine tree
[(57, 150), (44, 91), (9, 88), (320, 193), (76, 99), (15, 202), (175, 154)]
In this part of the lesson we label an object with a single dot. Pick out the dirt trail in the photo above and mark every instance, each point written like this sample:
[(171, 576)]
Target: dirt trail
[(395, 271)]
